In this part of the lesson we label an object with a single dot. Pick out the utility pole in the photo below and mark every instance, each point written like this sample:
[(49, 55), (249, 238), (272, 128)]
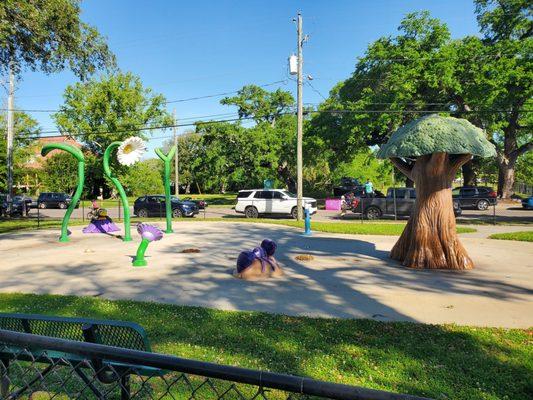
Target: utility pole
[(176, 162), (10, 131), (299, 155)]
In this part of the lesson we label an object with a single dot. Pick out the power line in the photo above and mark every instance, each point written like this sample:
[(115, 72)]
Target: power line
[(315, 90), (137, 129), (284, 81), (331, 111)]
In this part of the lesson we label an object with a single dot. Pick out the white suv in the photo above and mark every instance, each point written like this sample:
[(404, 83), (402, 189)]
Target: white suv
[(255, 202)]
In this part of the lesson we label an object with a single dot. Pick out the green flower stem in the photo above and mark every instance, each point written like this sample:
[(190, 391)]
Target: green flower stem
[(168, 205), (81, 179), (139, 257), (120, 189)]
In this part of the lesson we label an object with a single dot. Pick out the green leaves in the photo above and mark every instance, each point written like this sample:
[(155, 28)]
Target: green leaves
[(113, 108), (48, 35), (254, 101)]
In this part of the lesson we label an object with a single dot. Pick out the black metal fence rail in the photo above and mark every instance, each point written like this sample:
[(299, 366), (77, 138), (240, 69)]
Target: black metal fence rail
[(58, 368)]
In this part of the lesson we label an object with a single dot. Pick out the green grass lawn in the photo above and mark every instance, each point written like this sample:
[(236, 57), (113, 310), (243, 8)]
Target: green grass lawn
[(226, 199), (437, 361), (355, 228), (525, 236)]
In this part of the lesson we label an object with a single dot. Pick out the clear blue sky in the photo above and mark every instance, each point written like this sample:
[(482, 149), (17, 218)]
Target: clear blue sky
[(194, 48)]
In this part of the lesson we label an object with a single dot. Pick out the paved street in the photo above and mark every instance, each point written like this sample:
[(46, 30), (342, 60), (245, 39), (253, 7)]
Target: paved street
[(350, 276), (504, 213)]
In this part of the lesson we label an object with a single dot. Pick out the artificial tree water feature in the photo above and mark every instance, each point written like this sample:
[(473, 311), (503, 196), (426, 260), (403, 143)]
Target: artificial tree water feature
[(430, 151), (79, 188), (129, 152), (168, 205)]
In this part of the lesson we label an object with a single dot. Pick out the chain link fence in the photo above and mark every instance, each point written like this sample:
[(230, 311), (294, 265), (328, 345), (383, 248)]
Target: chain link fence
[(40, 367)]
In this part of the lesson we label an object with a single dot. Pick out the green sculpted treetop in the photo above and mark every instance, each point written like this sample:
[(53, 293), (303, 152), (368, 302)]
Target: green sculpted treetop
[(434, 134)]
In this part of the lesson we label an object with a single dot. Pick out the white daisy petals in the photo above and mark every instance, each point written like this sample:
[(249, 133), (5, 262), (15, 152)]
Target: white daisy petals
[(131, 150)]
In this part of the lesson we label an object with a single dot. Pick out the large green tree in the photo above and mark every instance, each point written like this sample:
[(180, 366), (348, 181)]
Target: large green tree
[(259, 104), (398, 79), (48, 35), (497, 74), (422, 70), (59, 173), (189, 150), (143, 178), (272, 141), (25, 128), (112, 108)]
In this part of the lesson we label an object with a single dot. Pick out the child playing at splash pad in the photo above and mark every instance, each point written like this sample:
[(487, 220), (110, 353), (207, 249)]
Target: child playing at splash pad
[(258, 263), (100, 222)]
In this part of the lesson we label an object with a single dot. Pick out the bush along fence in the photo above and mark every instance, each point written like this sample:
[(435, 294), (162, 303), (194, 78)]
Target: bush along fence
[(40, 367)]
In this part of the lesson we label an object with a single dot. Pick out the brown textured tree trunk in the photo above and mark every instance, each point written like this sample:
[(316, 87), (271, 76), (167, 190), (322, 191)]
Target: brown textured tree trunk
[(506, 182), (285, 175), (469, 175), (429, 239)]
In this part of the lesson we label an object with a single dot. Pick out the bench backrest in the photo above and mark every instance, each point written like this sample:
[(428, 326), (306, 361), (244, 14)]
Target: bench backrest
[(127, 335)]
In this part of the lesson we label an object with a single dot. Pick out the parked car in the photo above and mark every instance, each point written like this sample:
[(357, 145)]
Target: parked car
[(348, 185), (400, 199), (477, 197), (255, 202), (527, 203), (153, 205), (5, 203), (202, 204), (54, 200), (23, 199), (25, 202)]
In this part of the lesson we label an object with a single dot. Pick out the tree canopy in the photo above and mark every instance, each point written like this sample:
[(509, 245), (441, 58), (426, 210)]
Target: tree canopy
[(421, 70), (48, 35), (259, 104), (437, 134), (25, 128), (112, 108)]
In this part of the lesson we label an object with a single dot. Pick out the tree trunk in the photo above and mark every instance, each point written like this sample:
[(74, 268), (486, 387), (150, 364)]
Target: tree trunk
[(409, 183), (506, 177), (429, 239), (469, 175), (285, 174)]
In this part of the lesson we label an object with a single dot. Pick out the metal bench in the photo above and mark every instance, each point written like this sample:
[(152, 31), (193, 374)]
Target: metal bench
[(126, 335)]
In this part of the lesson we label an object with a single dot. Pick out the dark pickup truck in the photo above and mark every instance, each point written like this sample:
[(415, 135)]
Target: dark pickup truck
[(404, 198), (348, 185)]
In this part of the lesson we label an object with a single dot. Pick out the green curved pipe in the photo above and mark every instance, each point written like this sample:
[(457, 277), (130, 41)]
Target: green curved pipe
[(120, 189), (81, 179), (168, 205), (139, 257)]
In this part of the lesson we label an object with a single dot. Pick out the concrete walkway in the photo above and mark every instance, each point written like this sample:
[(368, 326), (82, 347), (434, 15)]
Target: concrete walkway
[(350, 276)]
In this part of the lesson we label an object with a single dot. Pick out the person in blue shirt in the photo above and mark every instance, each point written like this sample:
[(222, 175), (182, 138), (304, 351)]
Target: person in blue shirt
[(369, 188)]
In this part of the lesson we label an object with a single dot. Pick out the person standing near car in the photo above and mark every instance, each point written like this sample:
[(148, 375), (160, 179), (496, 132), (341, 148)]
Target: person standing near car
[(369, 188)]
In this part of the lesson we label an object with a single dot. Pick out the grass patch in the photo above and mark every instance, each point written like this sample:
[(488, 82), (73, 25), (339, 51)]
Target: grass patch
[(437, 361), (226, 199), (350, 228), (524, 236)]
